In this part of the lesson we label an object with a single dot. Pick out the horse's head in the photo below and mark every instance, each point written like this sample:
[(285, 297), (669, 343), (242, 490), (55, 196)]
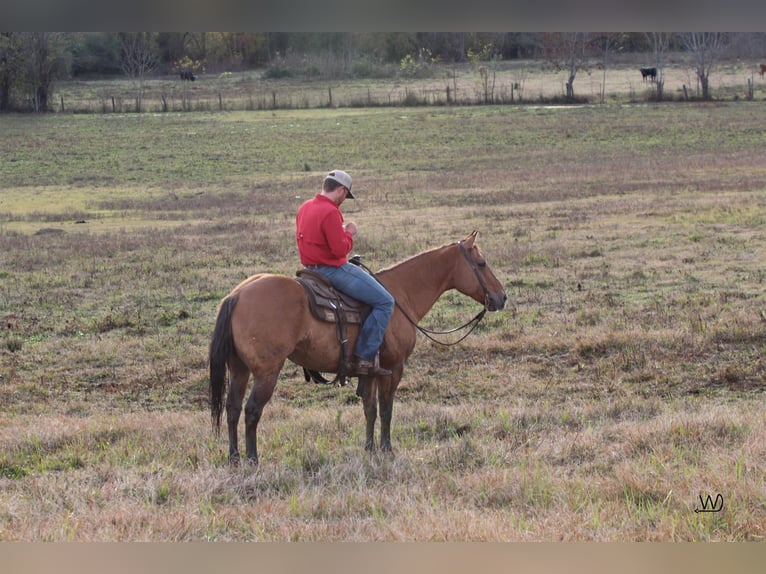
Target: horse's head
[(473, 276)]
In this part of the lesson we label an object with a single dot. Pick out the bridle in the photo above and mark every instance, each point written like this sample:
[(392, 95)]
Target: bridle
[(473, 323), (475, 269)]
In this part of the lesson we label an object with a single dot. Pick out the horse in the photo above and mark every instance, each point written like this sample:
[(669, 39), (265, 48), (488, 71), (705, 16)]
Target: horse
[(649, 73), (763, 69), (266, 320)]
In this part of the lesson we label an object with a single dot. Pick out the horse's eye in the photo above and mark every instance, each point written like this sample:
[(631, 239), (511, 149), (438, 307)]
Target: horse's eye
[(481, 264)]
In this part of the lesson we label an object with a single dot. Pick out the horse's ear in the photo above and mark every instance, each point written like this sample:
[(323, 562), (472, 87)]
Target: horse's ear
[(468, 241)]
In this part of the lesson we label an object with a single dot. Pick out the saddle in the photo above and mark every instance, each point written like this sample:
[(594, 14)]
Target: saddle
[(327, 303), (332, 306)]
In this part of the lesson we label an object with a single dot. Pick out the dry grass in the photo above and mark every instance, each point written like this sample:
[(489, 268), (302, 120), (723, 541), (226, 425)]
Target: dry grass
[(518, 473), (624, 381)]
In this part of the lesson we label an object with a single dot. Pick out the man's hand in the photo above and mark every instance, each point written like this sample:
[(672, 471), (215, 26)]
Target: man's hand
[(350, 226)]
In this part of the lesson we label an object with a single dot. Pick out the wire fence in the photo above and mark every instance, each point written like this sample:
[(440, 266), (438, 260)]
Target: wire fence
[(283, 97), (230, 92)]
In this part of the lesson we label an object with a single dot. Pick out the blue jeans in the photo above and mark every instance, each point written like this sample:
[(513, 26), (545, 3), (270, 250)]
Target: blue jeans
[(357, 283)]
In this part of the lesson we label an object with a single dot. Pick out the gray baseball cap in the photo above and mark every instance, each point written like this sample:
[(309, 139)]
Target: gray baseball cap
[(342, 178)]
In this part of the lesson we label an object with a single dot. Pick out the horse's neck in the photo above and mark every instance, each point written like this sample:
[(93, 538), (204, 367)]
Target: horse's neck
[(418, 282)]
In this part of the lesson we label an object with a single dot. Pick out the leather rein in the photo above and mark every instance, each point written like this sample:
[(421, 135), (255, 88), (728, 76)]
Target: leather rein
[(473, 323)]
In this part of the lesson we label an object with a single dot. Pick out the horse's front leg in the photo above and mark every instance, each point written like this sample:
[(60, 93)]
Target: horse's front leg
[(386, 412), (386, 392), (370, 406)]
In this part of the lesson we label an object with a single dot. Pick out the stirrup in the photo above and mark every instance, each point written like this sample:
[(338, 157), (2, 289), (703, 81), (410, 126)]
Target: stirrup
[(362, 367)]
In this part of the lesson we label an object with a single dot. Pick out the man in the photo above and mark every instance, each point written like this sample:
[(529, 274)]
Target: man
[(324, 242)]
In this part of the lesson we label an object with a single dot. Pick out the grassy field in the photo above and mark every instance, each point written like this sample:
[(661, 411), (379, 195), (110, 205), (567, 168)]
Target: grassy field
[(622, 386)]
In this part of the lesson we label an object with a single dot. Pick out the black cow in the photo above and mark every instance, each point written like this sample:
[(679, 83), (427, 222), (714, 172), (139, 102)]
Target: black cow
[(187, 75), (649, 73)]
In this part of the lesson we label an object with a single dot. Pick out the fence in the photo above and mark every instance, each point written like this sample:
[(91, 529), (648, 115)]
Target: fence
[(242, 92)]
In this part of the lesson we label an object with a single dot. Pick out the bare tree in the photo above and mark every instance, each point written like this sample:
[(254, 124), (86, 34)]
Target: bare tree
[(567, 51), (606, 42), (37, 47), (138, 59), (659, 41), (706, 48)]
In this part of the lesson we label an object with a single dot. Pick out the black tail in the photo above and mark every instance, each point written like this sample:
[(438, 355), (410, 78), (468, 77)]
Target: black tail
[(221, 348)]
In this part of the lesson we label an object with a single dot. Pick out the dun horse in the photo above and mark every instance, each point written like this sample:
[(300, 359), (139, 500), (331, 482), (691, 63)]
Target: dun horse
[(266, 320)]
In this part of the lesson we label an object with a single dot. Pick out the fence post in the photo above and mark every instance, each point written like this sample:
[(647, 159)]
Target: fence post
[(220, 102), (329, 95)]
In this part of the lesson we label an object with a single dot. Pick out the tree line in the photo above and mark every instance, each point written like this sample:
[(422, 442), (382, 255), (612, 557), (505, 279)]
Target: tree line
[(32, 62)]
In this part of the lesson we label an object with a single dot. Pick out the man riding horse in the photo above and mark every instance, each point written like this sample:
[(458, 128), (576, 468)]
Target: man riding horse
[(324, 242)]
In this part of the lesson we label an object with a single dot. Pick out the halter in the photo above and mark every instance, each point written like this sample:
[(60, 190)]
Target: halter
[(475, 270)]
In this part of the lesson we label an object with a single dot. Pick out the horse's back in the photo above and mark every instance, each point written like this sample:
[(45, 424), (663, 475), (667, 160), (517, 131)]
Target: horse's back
[(244, 283)]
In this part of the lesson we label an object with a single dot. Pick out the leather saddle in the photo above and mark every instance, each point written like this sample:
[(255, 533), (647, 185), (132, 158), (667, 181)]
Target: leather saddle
[(332, 306), (327, 303)]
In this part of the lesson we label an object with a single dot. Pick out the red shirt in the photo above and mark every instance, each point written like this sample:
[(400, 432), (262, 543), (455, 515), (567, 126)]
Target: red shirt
[(319, 233)]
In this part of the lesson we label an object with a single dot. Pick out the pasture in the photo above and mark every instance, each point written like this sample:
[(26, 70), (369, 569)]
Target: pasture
[(622, 385)]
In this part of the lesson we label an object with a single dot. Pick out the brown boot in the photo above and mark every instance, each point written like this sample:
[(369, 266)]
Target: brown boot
[(363, 367)]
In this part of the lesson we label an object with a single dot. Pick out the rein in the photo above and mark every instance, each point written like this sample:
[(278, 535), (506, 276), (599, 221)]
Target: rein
[(429, 333)]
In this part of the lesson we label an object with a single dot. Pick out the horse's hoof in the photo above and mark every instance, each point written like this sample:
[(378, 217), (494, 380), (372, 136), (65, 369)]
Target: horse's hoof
[(234, 459)]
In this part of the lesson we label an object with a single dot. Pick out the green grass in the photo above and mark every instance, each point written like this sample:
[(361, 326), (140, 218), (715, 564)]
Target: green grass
[(624, 379)]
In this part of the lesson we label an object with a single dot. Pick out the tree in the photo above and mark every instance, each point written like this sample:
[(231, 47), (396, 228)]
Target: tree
[(138, 59), (660, 43), (605, 42), (706, 48), (8, 67), (399, 45), (30, 63), (567, 51), (485, 61), (96, 54), (37, 49)]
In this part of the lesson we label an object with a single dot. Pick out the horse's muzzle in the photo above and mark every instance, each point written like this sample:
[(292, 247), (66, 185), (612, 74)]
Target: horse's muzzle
[(496, 301)]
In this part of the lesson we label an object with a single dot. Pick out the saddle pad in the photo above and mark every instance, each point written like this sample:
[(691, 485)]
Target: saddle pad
[(324, 299)]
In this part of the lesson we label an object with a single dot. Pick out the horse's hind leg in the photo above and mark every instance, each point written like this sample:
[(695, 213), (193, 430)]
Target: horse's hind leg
[(238, 377), (263, 388)]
